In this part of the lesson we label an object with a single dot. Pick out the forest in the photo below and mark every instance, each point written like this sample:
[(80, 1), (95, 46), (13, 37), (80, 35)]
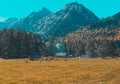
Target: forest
[(92, 43), (18, 44)]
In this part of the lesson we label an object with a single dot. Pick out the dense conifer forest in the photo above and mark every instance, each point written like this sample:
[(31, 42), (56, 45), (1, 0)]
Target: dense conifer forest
[(92, 43)]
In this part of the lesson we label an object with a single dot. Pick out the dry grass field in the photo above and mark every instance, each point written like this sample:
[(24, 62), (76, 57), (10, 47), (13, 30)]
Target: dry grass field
[(72, 71)]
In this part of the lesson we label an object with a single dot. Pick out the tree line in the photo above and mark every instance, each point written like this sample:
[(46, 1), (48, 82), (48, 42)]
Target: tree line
[(93, 43), (18, 44), (101, 42)]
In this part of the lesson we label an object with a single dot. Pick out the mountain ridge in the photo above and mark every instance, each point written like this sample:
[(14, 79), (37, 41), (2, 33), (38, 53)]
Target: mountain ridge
[(105, 29), (110, 22), (27, 22), (7, 22), (66, 20)]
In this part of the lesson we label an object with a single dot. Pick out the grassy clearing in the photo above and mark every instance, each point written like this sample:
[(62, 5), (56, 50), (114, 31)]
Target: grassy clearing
[(72, 71)]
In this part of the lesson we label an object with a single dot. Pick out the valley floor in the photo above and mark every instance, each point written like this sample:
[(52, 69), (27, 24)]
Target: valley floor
[(59, 71)]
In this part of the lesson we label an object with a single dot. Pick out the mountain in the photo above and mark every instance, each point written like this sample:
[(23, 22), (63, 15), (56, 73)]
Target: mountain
[(108, 28), (109, 22), (7, 22), (98, 39), (28, 22), (68, 19)]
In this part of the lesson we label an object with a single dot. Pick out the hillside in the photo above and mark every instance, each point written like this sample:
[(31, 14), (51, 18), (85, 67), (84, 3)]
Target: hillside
[(30, 21), (101, 38), (108, 28), (7, 22), (111, 23), (66, 20)]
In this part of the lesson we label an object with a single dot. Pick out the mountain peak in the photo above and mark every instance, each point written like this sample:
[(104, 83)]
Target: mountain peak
[(29, 21), (74, 3), (68, 19), (79, 8), (44, 10)]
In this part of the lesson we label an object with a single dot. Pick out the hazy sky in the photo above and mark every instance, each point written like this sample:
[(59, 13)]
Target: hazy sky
[(21, 8)]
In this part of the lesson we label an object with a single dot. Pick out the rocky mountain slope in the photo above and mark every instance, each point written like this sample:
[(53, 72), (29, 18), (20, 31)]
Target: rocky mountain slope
[(109, 22), (30, 21), (98, 39), (7, 22), (68, 19), (108, 28)]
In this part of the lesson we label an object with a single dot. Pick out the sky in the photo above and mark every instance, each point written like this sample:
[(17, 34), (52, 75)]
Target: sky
[(22, 8)]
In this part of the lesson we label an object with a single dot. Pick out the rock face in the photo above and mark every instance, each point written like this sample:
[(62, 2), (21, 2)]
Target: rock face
[(30, 21), (68, 19), (7, 22)]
